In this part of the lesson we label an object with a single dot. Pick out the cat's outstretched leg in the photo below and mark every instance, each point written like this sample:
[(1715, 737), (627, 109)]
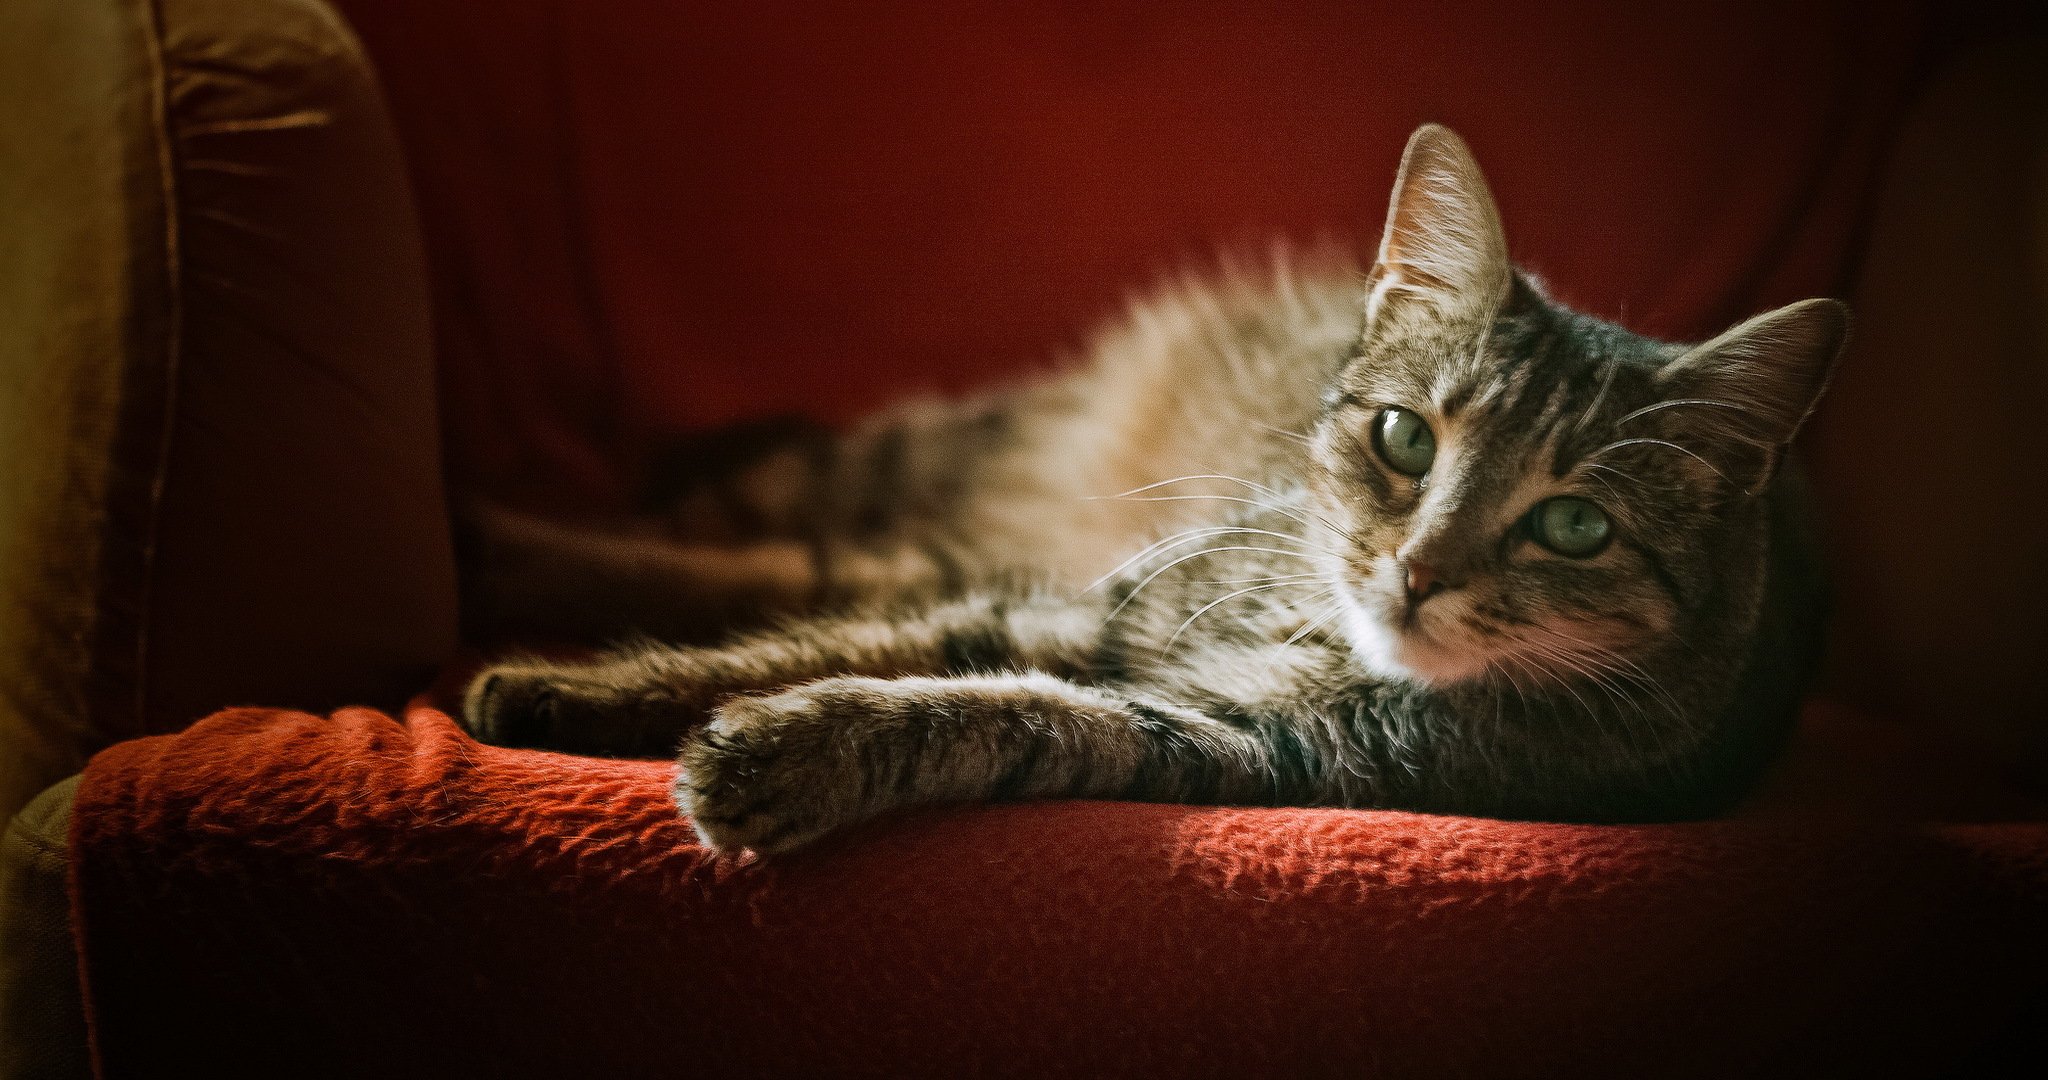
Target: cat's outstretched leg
[(640, 700), (773, 773), (740, 526)]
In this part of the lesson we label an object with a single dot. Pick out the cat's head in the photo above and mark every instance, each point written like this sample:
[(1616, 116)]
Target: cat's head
[(1523, 491)]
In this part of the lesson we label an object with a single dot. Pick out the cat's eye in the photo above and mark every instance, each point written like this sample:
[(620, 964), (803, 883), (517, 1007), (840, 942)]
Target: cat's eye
[(1570, 526), (1404, 441)]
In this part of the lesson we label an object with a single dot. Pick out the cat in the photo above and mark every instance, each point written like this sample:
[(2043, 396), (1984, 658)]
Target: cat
[(1417, 537)]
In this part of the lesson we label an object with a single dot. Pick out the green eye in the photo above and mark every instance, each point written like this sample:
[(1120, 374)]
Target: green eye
[(1570, 526), (1404, 441)]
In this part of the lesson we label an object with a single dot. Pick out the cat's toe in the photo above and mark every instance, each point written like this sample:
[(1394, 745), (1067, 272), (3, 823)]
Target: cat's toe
[(511, 706), (749, 785)]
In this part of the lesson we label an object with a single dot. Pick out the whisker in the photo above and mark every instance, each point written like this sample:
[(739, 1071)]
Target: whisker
[(1630, 477), (1253, 486), (1256, 580), (1676, 403), (1260, 488), (1311, 546), (1621, 666), (1577, 669), (1661, 442), (1520, 697), (1225, 598), (1165, 543), (1284, 433), (1331, 611), (1598, 397), (1595, 661), (1281, 510), (1609, 488), (1154, 575), (1561, 681)]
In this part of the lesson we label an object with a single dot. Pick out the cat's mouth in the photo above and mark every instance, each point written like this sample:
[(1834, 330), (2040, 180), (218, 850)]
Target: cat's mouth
[(1397, 640)]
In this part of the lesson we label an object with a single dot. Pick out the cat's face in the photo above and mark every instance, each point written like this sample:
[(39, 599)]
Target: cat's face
[(1520, 493), (1490, 519)]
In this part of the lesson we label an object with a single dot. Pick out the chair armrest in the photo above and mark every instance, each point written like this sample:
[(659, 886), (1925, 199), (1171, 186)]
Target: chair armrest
[(219, 461), (42, 1016)]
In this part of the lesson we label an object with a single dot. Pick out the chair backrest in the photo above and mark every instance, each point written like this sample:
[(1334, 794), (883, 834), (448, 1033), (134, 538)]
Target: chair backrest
[(645, 215)]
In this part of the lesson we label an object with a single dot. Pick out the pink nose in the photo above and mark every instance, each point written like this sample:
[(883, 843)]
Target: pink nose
[(1422, 583)]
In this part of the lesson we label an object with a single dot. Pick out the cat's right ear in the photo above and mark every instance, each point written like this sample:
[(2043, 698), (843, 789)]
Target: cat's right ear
[(1748, 391), (1443, 248)]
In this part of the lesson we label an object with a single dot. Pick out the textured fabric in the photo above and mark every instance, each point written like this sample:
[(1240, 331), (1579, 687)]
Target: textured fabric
[(42, 1015), (644, 215), (213, 343), (355, 895)]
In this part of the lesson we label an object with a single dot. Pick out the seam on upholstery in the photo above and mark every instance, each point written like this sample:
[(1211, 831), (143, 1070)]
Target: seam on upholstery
[(174, 335)]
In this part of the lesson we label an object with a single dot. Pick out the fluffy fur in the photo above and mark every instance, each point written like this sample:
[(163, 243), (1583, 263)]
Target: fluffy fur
[(1307, 625)]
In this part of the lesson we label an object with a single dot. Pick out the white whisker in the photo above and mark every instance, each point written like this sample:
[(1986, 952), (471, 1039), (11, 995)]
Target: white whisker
[(1225, 598), (1674, 404), (1661, 442), (1161, 545), (1259, 580), (1253, 486), (1260, 488), (1154, 575), (1630, 477), (1283, 432), (1282, 511), (1598, 397), (1330, 611)]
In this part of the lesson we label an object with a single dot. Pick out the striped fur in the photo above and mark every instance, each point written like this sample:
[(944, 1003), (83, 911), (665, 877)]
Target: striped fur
[(1249, 636)]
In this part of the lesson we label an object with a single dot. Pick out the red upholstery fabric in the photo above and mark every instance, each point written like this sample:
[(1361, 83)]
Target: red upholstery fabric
[(644, 215), (360, 896)]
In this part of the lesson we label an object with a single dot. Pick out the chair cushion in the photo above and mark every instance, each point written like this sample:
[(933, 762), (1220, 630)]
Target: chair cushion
[(359, 894)]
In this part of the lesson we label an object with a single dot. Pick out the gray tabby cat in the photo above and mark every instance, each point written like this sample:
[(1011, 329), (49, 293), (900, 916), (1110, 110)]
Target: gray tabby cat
[(1425, 540)]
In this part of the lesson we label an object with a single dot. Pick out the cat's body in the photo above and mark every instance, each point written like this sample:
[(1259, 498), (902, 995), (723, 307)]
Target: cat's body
[(1325, 617)]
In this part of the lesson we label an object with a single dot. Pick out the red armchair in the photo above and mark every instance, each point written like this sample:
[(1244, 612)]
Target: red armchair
[(637, 219)]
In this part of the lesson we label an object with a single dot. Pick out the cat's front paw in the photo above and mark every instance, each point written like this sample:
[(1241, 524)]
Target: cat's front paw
[(520, 703), (768, 774)]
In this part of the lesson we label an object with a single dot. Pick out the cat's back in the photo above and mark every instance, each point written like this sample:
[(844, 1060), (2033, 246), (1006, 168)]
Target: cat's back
[(1217, 373)]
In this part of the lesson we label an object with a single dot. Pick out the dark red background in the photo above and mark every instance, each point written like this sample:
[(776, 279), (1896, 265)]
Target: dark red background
[(645, 215)]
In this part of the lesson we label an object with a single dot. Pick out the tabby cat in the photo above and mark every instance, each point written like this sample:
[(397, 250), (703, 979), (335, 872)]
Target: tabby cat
[(1418, 537)]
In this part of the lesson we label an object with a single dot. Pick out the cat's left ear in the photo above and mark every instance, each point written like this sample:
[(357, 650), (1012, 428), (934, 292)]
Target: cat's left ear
[(1443, 251), (1742, 396)]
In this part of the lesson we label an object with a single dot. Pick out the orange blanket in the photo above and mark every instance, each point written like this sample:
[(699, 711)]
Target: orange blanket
[(368, 896)]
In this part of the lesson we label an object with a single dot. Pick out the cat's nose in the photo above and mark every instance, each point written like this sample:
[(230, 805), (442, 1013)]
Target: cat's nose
[(1423, 583)]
